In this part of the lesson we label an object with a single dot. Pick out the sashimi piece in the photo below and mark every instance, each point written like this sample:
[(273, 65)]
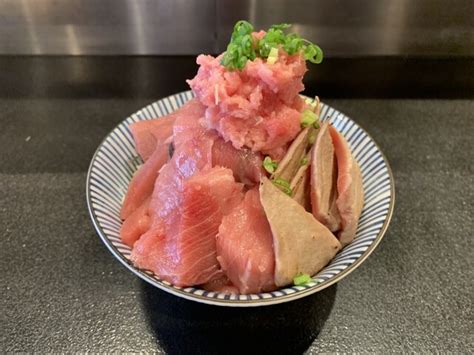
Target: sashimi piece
[(188, 122), (224, 189), (245, 164), (189, 158), (350, 200), (182, 249), (149, 133), (244, 246), (193, 237), (323, 180), (141, 185), (222, 285), (159, 136), (301, 243), (136, 224)]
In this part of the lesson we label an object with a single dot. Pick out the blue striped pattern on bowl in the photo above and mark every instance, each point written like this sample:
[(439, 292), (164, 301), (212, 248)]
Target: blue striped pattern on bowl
[(116, 160)]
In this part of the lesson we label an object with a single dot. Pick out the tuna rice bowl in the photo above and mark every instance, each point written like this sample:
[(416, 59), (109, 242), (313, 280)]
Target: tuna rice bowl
[(243, 189)]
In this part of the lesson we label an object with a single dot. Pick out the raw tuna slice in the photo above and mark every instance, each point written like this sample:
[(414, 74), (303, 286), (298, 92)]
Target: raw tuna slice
[(323, 180), (188, 123), (245, 164), (141, 185), (143, 182), (189, 158), (148, 134), (136, 224), (350, 198), (182, 249), (244, 246), (222, 285)]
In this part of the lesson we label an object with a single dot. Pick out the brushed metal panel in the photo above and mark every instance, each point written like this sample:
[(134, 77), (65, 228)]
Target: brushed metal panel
[(342, 28), (363, 27), (85, 27)]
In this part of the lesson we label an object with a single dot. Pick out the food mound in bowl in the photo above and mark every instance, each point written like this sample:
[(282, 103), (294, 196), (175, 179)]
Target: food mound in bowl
[(243, 190)]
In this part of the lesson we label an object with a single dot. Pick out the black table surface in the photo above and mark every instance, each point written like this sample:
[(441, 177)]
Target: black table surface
[(63, 291)]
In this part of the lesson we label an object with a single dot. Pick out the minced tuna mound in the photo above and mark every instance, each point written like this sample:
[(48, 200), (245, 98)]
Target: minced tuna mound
[(258, 107)]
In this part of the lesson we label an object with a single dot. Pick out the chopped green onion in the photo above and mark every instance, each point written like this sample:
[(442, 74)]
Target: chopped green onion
[(273, 56), (243, 46), (312, 52), (312, 138), (283, 185), (304, 161), (270, 165), (308, 118), (301, 279), (292, 43), (240, 48)]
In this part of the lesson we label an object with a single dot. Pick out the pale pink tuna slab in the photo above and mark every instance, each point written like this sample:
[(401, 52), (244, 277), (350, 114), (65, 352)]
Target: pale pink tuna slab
[(188, 124), (182, 248), (323, 180), (136, 224), (150, 133), (350, 200), (221, 284), (156, 250), (141, 185), (244, 246), (188, 159)]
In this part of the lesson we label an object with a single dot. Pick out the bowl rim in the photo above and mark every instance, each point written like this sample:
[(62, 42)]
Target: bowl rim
[(229, 302)]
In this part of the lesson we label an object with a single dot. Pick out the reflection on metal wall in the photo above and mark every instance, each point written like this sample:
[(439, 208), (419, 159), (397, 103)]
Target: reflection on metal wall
[(341, 27), (81, 27), (364, 27)]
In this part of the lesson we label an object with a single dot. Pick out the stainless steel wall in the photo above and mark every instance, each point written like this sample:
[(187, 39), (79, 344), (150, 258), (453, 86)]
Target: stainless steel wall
[(82, 27), (146, 27)]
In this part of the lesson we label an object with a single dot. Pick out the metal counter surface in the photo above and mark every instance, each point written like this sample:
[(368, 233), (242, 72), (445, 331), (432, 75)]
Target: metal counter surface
[(62, 291)]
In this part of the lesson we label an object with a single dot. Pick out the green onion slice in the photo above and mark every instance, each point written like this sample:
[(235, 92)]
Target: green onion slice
[(283, 185), (270, 165), (301, 279)]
